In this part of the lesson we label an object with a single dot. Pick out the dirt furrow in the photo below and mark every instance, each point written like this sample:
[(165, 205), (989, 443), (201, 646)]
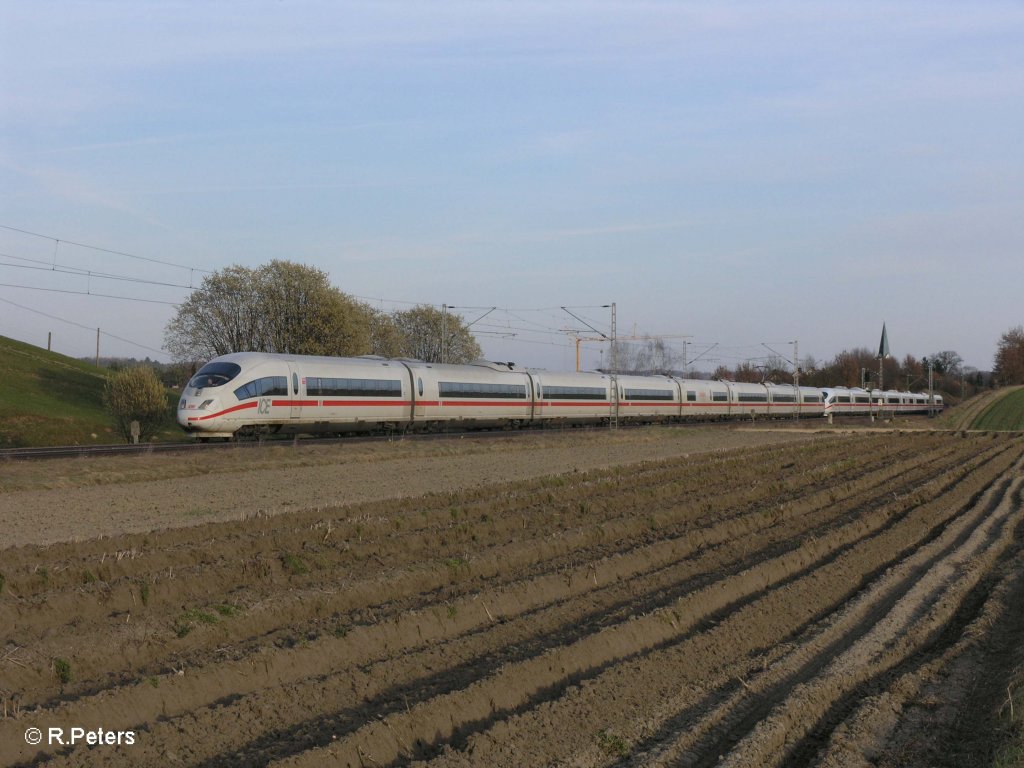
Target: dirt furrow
[(918, 617), (627, 696), (812, 654), (141, 633), (388, 532), (950, 692), (435, 640), (501, 606)]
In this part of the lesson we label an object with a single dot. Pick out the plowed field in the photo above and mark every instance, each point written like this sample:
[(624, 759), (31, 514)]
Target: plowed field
[(838, 601)]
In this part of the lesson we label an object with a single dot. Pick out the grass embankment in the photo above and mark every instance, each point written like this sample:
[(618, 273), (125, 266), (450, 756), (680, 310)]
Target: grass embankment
[(52, 399), (973, 413), (1005, 413)]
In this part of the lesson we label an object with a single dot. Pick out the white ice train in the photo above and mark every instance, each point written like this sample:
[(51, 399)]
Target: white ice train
[(251, 393), (860, 402)]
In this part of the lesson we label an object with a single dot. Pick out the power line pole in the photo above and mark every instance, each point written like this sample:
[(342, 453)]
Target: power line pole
[(931, 389), (796, 377), (444, 331), (795, 362), (883, 352), (613, 421)]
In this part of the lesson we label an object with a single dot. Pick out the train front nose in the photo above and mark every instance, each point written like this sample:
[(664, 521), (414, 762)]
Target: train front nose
[(192, 410)]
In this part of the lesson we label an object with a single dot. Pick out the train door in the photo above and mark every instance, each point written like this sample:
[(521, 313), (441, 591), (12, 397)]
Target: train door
[(420, 409), (414, 394), (682, 397), (293, 392)]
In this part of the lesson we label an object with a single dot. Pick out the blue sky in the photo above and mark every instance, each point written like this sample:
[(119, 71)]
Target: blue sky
[(742, 173)]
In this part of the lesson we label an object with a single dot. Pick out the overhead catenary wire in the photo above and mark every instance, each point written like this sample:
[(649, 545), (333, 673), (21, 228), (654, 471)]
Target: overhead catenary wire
[(90, 293), (80, 325), (66, 269), (519, 328), (517, 333), (53, 266), (58, 240)]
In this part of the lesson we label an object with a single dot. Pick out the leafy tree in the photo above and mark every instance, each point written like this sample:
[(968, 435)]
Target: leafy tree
[(721, 372), (1009, 364), (421, 330), (776, 370), (136, 394), (748, 373), (912, 374), (220, 317), (303, 314), (385, 338), (946, 363), (812, 373), (652, 356), (280, 307), (845, 369)]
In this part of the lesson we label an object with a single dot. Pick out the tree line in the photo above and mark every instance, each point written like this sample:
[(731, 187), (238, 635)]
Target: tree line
[(849, 368), (288, 308), (859, 367)]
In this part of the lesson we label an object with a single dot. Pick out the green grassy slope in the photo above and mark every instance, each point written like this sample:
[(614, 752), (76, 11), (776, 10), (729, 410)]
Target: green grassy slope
[(963, 415), (50, 399), (1005, 413)]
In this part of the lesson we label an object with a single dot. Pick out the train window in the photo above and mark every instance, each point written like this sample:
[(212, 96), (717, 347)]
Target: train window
[(783, 398), (575, 393), (691, 396), (649, 394), (753, 397), (719, 397), (214, 375), (479, 389), (295, 383), (863, 399), (265, 387), (812, 399), (419, 386), (843, 399), (320, 386)]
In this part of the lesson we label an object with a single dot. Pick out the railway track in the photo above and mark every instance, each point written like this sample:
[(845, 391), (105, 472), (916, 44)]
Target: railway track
[(72, 451), (86, 451)]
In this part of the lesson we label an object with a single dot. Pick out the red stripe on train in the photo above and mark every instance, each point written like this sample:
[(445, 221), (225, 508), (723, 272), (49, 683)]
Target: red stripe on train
[(241, 407)]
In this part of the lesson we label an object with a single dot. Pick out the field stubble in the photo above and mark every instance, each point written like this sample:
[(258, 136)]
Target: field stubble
[(772, 605)]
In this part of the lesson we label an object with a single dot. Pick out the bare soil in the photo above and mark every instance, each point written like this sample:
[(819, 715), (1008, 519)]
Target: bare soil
[(660, 597), (75, 499)]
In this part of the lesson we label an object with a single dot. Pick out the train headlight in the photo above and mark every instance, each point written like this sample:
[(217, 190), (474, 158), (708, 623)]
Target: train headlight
[(206, 404)]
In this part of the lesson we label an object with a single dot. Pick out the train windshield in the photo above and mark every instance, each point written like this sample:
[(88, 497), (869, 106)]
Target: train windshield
[(215, 375)]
